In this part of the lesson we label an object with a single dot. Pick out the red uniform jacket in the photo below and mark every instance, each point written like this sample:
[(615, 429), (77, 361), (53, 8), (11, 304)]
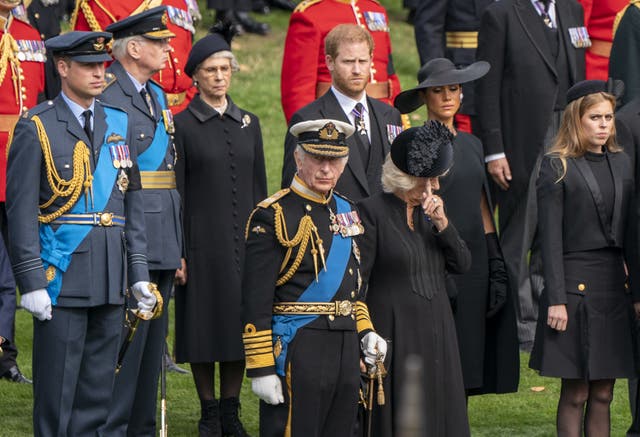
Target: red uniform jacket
[(303, 65), (176, 84), (19, 89), (598, 18)]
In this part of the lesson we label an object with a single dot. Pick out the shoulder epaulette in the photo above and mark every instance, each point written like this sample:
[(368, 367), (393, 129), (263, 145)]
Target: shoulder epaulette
[(620, 14), (274, 198), (303, 5), (109, 78), (38, 109)]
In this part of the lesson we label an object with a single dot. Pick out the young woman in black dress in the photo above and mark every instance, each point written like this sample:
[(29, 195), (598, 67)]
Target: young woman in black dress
[(486, 326), (584, 332)]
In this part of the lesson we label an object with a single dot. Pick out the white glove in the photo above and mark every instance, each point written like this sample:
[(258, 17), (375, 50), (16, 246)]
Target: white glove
[(372, 345), (268, 388), (146, 299), (38, 303)]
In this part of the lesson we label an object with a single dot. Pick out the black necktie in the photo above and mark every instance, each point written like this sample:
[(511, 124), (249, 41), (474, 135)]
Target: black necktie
[(147, 98), (87, 125)]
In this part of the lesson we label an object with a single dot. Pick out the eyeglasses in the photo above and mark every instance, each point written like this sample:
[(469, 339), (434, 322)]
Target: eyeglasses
[(213, 71)]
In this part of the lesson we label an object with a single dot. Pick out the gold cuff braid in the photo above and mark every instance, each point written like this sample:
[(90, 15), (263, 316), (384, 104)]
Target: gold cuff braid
[(258, 347), (363, 321)]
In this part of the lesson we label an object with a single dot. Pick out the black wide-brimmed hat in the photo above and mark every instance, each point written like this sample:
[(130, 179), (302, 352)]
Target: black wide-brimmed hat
[(81, 46), (151, 24), (438, 72), (424, 151), (323, 138)]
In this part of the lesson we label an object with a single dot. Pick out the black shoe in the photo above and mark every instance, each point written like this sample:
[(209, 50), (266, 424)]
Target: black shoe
[(209, 423), (15, 375), (250, 25), (260, 7), (285, 5), (226, 19), (231, 425), (171, 366)]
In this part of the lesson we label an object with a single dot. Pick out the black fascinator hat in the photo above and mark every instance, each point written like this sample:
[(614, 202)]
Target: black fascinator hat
[(424, 151)]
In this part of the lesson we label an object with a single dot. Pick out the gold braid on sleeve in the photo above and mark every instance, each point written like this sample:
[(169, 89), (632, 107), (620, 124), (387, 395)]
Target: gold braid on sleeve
[(81, 178), (307, 233)]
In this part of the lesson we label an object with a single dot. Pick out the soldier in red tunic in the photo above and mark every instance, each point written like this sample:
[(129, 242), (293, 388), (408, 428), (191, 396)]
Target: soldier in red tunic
[(305, 76), (95, 15), (598, 18)]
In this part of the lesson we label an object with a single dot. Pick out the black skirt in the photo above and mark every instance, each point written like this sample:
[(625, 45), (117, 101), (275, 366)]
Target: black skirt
[(599, 340)]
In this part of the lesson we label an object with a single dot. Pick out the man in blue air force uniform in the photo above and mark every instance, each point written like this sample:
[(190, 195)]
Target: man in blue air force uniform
[(77, 237), (141, 48), (304, 316)]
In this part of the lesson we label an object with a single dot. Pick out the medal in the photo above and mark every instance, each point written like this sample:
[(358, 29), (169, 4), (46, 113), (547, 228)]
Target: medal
[(167, 117), (123, 181)]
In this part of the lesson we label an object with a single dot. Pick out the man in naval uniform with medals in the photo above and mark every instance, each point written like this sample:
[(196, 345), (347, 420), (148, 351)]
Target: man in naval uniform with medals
[(141, 49), (305, 322), (77, 238)]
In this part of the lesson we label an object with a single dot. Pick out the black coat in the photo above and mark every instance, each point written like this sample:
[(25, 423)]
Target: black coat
[(625, 53), (356, 182), (515, 100), (221, 175), (572, 218)]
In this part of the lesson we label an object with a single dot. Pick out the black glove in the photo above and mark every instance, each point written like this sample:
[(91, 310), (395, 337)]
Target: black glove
[(498, 279)]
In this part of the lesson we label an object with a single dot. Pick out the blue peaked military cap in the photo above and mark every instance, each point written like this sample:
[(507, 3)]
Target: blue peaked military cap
[(81, 46), (151, 24)]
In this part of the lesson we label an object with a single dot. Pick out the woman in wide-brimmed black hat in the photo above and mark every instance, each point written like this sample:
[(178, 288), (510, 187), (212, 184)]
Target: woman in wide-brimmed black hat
[(487, 335)]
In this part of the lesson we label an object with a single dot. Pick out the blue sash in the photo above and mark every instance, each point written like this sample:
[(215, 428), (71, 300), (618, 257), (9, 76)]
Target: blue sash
[(322, 290), (152, 157), (57, 247)]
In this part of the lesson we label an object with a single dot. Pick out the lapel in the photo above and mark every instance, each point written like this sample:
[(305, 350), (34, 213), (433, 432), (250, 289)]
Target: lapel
[(331, 109), (534, 30), (563, 18), (99, 127), (379, 120), (618, 194), (129, 89), (587, 174), (65, 115)]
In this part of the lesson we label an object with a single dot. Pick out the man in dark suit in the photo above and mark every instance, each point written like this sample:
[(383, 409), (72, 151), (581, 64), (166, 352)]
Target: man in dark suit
[(141, 48), (76, 237), (348, 50), (536, 52), (449, 29), (7, 299)]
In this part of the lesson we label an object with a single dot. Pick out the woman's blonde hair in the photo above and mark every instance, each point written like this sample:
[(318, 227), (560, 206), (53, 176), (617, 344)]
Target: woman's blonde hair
[(395, 180), (571, 142)]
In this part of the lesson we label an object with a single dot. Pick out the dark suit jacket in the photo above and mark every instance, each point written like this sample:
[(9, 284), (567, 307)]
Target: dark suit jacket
[(7, 295), (353, 183), (572, 217), (515, 100)]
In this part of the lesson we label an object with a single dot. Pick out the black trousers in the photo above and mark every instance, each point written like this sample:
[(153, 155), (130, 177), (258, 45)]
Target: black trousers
[(320, 387), (135, 393)]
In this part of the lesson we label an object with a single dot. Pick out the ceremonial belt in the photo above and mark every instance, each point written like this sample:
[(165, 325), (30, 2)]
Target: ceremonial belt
[(337, 308), (600, 47), (377, 90), (176, 99), (462, 40), (8, 122), (155, 180), (93, 219)]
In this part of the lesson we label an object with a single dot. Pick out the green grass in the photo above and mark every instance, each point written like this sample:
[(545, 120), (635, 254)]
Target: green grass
[(257, 88)]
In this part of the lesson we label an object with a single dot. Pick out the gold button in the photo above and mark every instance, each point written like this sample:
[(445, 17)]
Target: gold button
[(23, 89), (307, 207), (353, 294), (353, 317), (626, 286), (175, 60), (178, 72), (37, 15), (24, 108), (169, 167), (332, 317), (582, 287), (141, 135), (350, 271)]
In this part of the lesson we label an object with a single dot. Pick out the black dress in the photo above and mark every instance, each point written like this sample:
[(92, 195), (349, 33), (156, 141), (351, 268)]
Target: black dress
[(221, 176), (590, 280), (488, 347), (408, 304)]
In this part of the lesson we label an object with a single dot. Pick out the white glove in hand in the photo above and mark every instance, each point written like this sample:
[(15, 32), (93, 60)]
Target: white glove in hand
[(146, 299), (268, 388), (38, 303), (372, 345)]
